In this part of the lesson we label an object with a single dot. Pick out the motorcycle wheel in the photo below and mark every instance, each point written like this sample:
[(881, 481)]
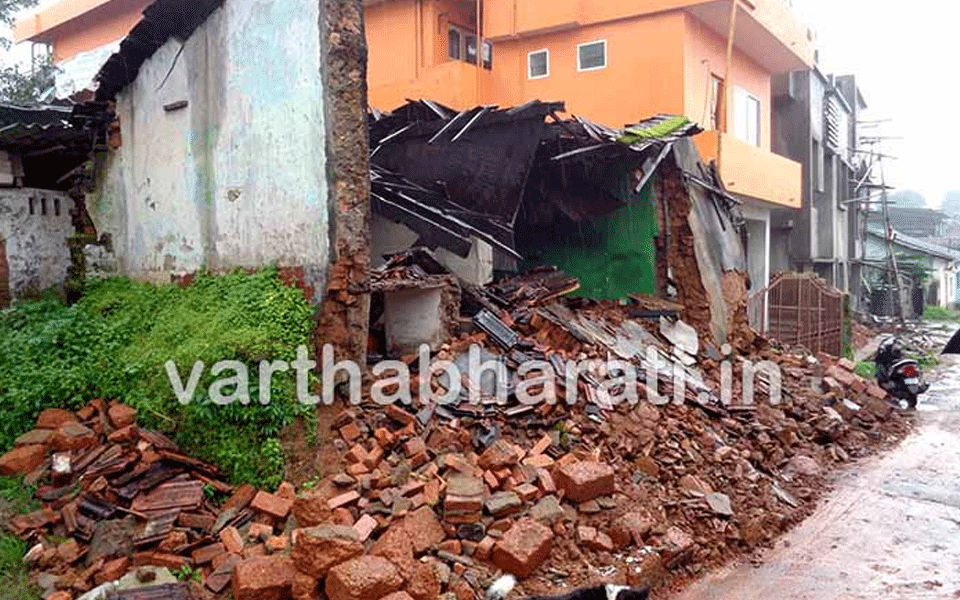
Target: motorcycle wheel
[(912, 402)]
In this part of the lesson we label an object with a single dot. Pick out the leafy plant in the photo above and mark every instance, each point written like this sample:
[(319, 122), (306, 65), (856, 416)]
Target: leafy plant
[(938, 313), (20, 497), (115, 342), (187, 573), (866, 369), (14, 577)]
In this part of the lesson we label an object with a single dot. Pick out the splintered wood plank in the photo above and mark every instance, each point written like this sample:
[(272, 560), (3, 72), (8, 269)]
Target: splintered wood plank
[(182, 495)]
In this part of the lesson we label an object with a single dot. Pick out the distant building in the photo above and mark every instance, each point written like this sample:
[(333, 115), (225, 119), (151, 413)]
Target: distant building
[(916, 222), (815, 123)]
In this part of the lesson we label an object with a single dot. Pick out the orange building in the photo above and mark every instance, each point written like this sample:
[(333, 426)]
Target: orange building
[(613, 61)]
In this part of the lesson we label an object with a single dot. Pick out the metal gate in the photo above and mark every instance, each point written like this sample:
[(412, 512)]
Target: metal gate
[(801, 310)]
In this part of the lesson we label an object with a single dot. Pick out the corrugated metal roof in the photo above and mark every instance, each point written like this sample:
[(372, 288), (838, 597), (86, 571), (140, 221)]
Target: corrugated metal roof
[(36, 127), (902, 239), (162, 20)]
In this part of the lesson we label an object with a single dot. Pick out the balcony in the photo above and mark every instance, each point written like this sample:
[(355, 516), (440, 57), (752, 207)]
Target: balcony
[(750, 171), (454, 83)]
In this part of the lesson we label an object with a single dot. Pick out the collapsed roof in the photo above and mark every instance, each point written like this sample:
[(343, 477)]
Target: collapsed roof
[(451, 175)]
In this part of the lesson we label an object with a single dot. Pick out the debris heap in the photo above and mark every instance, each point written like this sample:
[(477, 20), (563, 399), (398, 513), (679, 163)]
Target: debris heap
[(430, 501)]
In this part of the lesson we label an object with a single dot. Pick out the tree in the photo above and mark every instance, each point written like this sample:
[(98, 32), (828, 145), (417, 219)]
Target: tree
[(908, 199), (951, 203), (8, 13), (27, 86)]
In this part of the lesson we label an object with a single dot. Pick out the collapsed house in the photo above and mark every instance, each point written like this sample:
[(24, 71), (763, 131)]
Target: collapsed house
[(40, 148), (499, 191)]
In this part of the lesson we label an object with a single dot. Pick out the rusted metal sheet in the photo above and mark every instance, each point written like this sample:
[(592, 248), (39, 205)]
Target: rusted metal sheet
[(801, 310)]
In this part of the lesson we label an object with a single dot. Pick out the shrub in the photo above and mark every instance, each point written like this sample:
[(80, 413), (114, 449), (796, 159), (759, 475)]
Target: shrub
[(114, 343)]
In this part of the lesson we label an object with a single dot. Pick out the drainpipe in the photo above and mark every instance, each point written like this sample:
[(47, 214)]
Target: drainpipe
[(727, 87)]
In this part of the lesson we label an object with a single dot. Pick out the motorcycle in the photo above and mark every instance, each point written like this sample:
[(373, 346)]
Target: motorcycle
[(901, 377)]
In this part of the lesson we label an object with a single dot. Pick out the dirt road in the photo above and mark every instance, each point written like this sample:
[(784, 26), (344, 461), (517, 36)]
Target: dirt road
[(890, 530)]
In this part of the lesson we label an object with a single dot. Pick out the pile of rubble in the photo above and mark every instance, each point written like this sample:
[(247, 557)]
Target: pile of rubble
[(432, 501)]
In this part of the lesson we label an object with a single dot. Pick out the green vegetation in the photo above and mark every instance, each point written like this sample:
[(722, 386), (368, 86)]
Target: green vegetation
[(926, 360), (187, 573), (18, 497), (937, 313), (866, 369), (14, 577), (114, 343)]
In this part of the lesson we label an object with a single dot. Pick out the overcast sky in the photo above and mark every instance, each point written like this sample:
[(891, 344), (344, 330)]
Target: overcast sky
[(905, 56)]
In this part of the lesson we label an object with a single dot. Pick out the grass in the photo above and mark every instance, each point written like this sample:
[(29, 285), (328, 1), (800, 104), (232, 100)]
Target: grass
[(114, 343), (937, 313), (866, 369), (14, 577), (18, 497)]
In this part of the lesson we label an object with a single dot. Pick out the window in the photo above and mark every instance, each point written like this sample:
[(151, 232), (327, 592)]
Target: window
[(454, 44), (538, 64), (592, 56), (43, 206), (462, 45), (56, 206), (471, 49), (746, 117), (716, 95), (33, 207)]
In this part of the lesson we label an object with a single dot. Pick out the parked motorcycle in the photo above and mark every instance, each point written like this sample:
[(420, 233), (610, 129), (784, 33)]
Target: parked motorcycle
[(898, 375)]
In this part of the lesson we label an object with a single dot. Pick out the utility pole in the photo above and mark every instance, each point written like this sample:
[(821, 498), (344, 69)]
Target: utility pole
[(891, 254)]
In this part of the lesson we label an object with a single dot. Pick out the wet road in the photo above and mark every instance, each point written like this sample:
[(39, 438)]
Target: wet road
[(890, 530)]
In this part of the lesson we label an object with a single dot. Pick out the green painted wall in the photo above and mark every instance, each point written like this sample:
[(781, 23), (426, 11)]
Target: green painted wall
[(614, 255)]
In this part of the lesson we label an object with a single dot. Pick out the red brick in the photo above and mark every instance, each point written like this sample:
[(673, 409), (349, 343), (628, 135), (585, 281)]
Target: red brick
[(158, 559), (343, 500), (424, 529), (592, 539), (305, 587), (318, 549), (74, 436), (542, 445), (263, 578), (277, 543), (207, 553), (121, 416), (54, 418), (231, 540), (500, 455), (350, 432), (112, 571), (585, 480), (22, 460), (268, 504), (527, 492), (36, 437), (363, 578), (259, 532), (365, 526), (398, 596), (523, 547), (485, 548), (424, 583)]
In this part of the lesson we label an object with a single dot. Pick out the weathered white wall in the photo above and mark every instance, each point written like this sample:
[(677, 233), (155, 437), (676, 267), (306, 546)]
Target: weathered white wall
[(36, 244), (387, 237), (238, 177)]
